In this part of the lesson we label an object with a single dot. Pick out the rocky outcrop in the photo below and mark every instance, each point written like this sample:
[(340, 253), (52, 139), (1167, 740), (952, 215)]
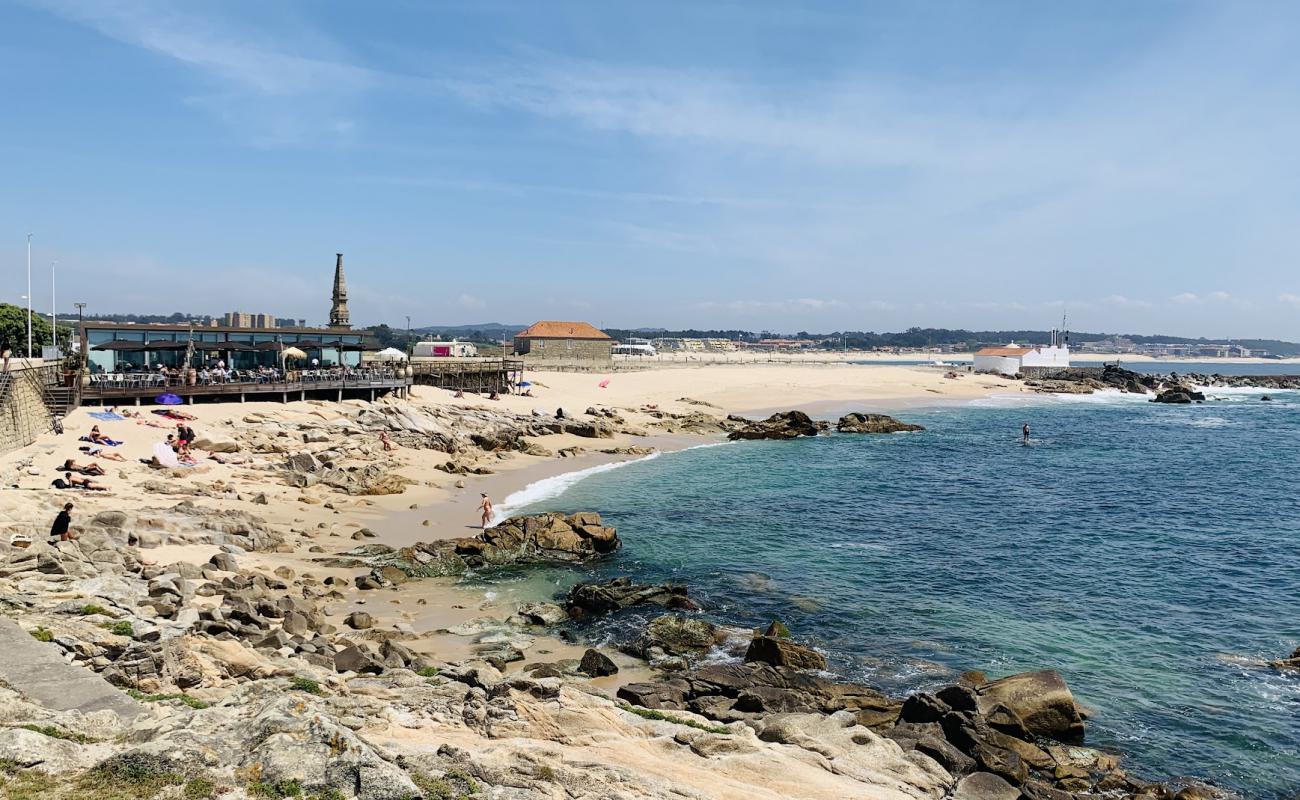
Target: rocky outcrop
[(782, 425), (873, 423), (783, 652), (588, 600), (1179, 395), (748, 692), (534, 539)]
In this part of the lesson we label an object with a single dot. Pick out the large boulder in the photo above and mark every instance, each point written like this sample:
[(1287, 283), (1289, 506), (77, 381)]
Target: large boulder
[(873, 423), (678, 635), (782, 425), (1179, 395), (781, 652), (216, 442), (1040, 699)]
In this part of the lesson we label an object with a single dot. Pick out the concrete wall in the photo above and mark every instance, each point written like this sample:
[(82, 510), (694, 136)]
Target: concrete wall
[(23, 415), (565, 349), (1058, 357), (1005, 365)]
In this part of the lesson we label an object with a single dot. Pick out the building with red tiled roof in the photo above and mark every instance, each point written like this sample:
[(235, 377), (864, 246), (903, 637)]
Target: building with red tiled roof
[(550, 339)]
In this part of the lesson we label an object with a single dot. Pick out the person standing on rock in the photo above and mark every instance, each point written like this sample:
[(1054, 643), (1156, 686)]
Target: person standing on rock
[(1024, 434), (485, 509), (59, 530)]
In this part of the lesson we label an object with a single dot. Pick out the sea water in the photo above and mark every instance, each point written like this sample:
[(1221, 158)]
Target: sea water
[(1149, 553)]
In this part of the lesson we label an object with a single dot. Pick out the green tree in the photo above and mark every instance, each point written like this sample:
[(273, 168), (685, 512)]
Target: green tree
[(13, 330)]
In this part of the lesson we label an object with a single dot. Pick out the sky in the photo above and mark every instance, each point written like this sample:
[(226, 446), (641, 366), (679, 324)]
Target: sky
[(762, 165)]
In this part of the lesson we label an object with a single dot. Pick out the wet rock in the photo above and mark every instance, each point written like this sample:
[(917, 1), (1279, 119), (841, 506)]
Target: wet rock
[(541, 614), (592, 599), (677, 635), (873, 423), (784, 653), (782, 425)]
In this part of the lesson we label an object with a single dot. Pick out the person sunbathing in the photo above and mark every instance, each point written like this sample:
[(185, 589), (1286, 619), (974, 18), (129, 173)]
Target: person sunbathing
[(71, 481), (87, 469), (99, 452), (97, 437)]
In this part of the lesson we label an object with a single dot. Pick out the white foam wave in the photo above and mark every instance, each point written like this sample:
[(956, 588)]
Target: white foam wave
[(1019, 399), (556, 485)]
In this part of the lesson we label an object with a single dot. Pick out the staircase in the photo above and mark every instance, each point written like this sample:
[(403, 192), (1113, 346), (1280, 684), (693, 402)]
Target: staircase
[(60, 400)]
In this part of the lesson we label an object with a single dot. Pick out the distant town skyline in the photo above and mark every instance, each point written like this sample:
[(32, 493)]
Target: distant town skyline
[(823, 166)]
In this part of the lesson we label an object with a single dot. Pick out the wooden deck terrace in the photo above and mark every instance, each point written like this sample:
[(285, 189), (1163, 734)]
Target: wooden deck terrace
[(480, 375), (240, 391)]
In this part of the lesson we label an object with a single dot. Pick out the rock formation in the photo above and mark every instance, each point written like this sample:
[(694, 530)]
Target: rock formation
[(782, 425), (873, 423)]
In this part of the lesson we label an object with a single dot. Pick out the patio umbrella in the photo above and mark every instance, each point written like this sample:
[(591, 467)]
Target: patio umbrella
[(119, 344), (390, 354), (166, 346), (168, 399), (292, 352), (267, 346)]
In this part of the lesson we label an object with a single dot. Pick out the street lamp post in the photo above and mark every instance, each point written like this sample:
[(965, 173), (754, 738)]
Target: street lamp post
[(29, 297), (81, 351), (408, 334), (54, 307)]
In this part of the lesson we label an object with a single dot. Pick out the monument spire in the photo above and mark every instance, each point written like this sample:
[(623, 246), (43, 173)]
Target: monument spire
[(339, 310)]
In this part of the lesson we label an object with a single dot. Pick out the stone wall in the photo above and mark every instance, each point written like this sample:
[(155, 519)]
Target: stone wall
[(23, 415), (565, 349)]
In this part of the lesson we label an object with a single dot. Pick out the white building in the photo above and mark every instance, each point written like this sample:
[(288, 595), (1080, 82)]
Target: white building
[(1012, 359), (438, 349)]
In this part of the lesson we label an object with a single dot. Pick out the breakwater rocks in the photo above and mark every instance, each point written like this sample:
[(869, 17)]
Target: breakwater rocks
[(531, 539)]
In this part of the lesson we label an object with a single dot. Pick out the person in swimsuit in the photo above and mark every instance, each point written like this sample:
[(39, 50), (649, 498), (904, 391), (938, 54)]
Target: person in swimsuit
[(485, 509), (1024, 434)]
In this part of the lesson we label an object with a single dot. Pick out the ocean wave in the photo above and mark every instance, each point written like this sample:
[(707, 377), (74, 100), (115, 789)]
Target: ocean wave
[(1020, 399), (556, 485)]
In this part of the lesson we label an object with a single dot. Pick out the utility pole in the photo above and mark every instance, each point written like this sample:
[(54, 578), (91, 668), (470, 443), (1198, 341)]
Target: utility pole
[(29, 297), (408, 334), (54, 306)]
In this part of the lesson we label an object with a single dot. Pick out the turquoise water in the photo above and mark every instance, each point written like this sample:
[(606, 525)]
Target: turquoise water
[(1148, 552)]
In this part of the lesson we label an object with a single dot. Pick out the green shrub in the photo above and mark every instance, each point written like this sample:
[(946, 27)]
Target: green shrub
[(91, 608), (119, 628), (192, 702), (305, 685), (427, 672), (453, 785), (199, 789), (42, 635)]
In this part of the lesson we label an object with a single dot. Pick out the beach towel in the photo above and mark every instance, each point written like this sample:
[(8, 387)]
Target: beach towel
[(106, 415), (109, 442)]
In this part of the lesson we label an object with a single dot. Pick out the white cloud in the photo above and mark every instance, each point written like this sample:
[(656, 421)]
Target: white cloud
[(470, 301), (1185, 298), (1289, 299), (1126, 302)]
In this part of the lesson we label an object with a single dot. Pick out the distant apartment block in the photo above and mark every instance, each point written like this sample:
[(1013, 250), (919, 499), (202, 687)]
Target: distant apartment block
[(240, 319)]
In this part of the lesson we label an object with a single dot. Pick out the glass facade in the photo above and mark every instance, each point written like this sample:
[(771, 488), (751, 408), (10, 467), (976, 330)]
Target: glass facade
[(139, 359)]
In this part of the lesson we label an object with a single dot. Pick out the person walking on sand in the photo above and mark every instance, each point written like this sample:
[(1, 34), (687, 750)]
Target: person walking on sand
[(59, 530), (1024, 434), (485, 509)]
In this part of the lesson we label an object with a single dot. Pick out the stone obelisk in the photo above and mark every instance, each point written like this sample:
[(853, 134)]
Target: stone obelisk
[(339, 310)]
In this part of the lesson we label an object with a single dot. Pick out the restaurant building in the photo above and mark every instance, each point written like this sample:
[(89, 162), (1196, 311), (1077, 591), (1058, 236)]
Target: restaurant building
[(125, 347)]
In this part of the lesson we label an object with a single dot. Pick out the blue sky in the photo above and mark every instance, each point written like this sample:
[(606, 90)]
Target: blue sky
[(750, 164)]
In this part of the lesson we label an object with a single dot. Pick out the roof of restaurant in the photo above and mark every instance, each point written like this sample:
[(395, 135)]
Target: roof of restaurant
[(548, 329), (172, 327), (1003, 351)]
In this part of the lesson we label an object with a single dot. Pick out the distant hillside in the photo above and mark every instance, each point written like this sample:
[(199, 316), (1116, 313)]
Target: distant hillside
[(933, 337)]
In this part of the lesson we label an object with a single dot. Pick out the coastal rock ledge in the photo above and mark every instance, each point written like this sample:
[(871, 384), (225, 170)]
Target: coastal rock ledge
[(874, 423), (531, 539)]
